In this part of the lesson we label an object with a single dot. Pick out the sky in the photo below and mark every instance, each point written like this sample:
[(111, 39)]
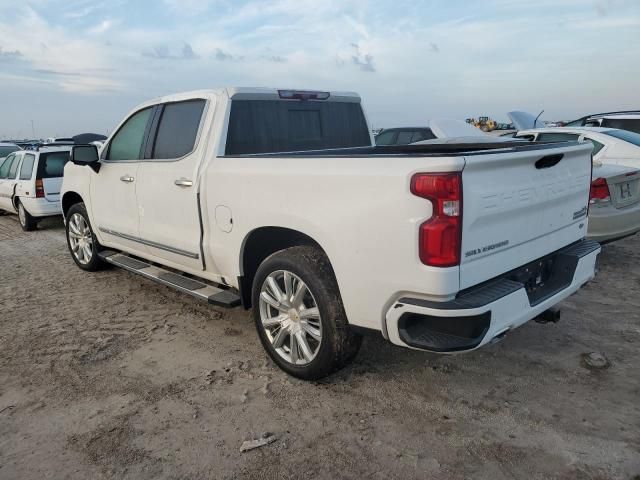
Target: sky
[(72, 66)]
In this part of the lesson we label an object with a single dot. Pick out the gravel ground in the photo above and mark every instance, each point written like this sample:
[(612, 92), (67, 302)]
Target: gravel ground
[(108, 375)]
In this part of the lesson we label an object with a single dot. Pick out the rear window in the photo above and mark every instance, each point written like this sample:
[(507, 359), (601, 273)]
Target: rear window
[(178, 129), (26, 170), (270, 126), (631, 124), (385, 138), (625, 135), (51, 164), (7, 149)]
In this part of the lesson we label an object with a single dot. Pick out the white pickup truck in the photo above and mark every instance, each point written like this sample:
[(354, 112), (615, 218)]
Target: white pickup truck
[(279, 200)]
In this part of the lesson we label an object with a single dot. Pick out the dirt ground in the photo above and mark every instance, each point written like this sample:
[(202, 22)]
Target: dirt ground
[(109, 375)]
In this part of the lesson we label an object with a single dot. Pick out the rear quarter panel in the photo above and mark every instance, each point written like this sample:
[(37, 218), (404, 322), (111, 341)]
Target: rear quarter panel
[(360, 211)]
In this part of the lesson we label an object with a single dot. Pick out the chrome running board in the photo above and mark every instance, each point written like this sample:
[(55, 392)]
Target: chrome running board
[(203, 291)]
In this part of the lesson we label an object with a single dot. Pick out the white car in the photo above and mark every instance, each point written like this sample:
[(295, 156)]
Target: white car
[(615, 194), (278, 199), (627, 120), (30, 182)]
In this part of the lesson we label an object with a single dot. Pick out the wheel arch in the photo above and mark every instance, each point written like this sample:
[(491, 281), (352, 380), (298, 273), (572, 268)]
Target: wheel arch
[(68, 200), (261, 242)]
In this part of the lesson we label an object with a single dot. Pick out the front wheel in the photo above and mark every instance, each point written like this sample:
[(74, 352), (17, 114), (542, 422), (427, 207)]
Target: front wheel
[(299, 314), (27, 222), (81, 240)]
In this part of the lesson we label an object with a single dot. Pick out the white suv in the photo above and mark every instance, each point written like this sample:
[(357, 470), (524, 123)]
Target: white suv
[(30, 182)]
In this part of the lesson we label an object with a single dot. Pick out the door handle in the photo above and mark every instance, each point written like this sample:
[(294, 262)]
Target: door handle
[(183, 182), (127, 178)]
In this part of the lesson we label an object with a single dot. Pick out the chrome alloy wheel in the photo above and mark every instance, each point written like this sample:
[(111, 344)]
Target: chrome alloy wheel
[(80, 239), (290, 317), (22, 215)]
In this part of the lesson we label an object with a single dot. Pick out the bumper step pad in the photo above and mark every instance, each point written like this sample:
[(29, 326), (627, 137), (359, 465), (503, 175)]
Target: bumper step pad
[(204, 291)]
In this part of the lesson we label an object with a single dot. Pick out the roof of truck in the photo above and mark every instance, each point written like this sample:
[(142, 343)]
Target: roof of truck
[(240, 93)]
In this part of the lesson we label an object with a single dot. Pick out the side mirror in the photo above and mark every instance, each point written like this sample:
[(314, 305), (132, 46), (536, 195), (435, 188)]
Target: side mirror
[(86, 155)]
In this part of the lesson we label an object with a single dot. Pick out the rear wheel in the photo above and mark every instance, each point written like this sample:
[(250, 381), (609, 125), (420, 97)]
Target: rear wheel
[(81, 240), (299, 314), (27, 222)]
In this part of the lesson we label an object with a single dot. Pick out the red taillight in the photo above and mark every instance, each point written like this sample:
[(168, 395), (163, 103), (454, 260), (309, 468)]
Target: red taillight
[(599, 191), (440, 236), (39, 189)]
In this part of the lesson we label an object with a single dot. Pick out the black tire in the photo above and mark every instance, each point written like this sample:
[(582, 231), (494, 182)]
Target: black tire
[(94, 263), (27, 222), (339, 344)]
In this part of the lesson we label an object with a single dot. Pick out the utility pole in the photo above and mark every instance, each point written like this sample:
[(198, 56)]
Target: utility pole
[(33, 131)]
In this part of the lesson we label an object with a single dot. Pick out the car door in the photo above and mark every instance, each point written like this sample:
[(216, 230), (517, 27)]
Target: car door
[(25, 186), (8, 171), (114, 205), (168, 189)]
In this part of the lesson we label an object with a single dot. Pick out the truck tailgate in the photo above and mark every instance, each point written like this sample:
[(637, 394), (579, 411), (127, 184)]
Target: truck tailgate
[(519, 206)]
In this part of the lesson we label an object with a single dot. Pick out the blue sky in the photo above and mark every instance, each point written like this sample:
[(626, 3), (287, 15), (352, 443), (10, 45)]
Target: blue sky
[(80, 65)]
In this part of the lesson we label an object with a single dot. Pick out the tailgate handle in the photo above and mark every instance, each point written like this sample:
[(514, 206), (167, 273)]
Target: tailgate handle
[(549, 161)]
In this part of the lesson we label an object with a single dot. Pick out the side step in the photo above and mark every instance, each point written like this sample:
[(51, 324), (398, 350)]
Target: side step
[(209, 293)]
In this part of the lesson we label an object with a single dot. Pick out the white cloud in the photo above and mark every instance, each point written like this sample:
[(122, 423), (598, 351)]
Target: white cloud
[(101, 27)]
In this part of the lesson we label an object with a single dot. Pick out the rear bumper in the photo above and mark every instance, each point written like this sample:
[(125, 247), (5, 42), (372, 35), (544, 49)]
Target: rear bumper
[(609, 223), (40, 207), (488, 311)]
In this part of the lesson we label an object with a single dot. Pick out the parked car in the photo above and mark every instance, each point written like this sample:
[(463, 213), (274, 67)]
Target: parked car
[(615, 194), (278, 200), (439, 128), (30, 183), (403, 136), (7, 148), (626, 120)]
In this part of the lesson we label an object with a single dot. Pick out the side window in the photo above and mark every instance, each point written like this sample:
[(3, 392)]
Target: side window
[(4, 169), (557, 137), (178, 129), (127, 143), (385, 138), (26, 170), (13, 169), (597, 146)]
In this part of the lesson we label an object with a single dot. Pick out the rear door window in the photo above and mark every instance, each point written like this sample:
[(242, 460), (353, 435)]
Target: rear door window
[(127, 142), (13, 169), (51, 164), (557, 137), (178, 129), (271, 126), (26, 170)]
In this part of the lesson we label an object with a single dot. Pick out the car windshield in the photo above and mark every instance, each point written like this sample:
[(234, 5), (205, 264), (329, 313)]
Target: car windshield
[(625, 135), (7, 149)]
